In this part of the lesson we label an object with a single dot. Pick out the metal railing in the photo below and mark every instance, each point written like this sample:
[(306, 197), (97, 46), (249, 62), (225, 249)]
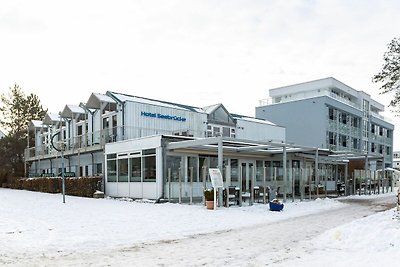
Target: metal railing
[(98, 139)]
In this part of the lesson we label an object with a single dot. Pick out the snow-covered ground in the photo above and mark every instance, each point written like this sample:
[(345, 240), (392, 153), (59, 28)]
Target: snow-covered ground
[(38, 229)]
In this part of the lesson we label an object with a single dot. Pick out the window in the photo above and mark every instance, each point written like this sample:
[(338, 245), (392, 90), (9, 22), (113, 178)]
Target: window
[(149, 169), (380, 130), (343, 140), (99, 168), (192, 169), (123, 170), (355, 122), (332, 138), (79, 129), (111, 170), (356, 143), (216, 130), (234, 170), (136, 169), (388, 150), (372, 147), (106, 122), (372, 128), (344, 118), (332, 114), (226, 132)]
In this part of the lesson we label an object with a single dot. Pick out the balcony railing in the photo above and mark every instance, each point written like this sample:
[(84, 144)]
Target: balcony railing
[(97, 140), (307, 95)]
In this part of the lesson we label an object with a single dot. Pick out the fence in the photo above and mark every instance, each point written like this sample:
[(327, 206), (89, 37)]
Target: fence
[(185, 185)]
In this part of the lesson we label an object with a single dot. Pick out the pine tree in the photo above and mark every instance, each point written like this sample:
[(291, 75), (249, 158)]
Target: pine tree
[(17, 111), (389, 76)]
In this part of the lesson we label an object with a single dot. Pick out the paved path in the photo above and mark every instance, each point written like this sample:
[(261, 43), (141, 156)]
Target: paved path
[(260, 245)]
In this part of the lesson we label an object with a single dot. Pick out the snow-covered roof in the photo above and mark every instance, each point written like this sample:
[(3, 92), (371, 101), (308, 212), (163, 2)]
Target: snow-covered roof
[(95, 99), (211, 109), (124, 98), (251, 119), (36, 124), (51, 118), (70, 110)]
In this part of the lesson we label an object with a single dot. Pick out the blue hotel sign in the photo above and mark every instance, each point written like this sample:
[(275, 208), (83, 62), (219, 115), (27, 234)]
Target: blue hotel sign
[(162, 116)]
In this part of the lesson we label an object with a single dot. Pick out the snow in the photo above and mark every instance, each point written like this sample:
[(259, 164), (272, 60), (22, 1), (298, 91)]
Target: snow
[(124, 98), (36, 227)]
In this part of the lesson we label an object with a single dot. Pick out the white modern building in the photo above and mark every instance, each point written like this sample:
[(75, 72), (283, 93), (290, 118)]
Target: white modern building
[(329, 114), (119, 136)]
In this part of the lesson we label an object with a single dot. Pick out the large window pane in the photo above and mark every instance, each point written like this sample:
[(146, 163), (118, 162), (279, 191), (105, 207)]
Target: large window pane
[(111, 171), (123, 170), (192, 161), (259, 170), (136, 169), (149, 169), (234, 170)]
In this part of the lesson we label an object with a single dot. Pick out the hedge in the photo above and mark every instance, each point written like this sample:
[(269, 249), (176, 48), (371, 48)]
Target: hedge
[(74, 186)]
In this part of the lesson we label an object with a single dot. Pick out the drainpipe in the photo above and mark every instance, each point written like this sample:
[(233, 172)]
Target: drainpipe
[(110, 94)]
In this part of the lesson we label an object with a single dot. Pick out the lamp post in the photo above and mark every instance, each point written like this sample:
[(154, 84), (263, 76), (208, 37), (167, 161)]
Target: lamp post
[(62, 162)]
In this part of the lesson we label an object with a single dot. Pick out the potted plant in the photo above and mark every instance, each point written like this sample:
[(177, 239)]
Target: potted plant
[(275, 205), (209, 197)]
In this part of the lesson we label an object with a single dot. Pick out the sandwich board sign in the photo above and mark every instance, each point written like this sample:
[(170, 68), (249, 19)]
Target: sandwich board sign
[(216, 178), (216, 181)]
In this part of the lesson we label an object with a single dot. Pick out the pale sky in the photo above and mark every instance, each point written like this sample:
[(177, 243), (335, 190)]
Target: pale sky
[(192, 52)]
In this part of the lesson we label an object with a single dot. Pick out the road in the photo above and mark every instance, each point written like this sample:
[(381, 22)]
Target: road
[(261, 245)]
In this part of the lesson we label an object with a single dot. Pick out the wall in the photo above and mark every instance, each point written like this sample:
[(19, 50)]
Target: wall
[(305, 120), (193, 122), (250, 130)]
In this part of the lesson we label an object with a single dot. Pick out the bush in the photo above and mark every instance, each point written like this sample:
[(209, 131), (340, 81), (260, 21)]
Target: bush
[(76, 186)]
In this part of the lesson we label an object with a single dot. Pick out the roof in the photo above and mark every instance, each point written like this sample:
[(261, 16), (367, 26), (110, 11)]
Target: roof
[(95, 99), (70, 110), (36, 124), (143, 100), (51, 118), (212, 108), (252, 119)]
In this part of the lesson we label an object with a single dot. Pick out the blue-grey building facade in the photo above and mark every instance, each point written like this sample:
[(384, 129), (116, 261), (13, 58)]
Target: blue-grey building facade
[(328, 114)]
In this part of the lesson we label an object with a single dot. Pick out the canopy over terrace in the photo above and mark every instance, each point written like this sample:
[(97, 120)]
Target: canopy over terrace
[(226, 147)]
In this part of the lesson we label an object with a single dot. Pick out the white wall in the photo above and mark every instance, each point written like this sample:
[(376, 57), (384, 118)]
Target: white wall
[(259, 131), (195, 122)]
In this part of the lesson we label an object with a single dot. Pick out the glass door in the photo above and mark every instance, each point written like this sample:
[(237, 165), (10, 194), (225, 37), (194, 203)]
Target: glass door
[(247, 178)]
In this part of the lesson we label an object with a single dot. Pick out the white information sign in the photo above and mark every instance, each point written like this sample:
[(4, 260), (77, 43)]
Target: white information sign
[(216, 178)]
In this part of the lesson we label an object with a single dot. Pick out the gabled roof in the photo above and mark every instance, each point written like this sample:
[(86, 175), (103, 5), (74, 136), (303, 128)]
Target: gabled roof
[(211, 109), (96, 99), (143, 100), (252, 119), (51, 119), (70, 110), (215, 115), (36, 124)]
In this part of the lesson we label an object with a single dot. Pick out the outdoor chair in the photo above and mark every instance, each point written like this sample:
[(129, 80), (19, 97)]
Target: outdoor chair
[(233, 196)]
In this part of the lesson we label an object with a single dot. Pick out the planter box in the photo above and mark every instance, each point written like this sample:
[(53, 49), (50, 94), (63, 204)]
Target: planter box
[(275, 206)]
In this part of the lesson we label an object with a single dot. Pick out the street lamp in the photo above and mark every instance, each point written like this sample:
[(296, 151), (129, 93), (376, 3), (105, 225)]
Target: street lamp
[(62, 148)]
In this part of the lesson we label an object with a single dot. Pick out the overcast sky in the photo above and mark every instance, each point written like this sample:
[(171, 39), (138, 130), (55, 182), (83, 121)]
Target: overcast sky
[(191, 52)]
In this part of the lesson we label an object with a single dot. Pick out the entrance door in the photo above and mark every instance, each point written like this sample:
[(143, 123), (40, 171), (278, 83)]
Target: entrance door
[(247, 175)]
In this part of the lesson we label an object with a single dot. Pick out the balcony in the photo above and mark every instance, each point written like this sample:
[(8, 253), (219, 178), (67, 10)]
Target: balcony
[(307, 95), (95, 141)]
